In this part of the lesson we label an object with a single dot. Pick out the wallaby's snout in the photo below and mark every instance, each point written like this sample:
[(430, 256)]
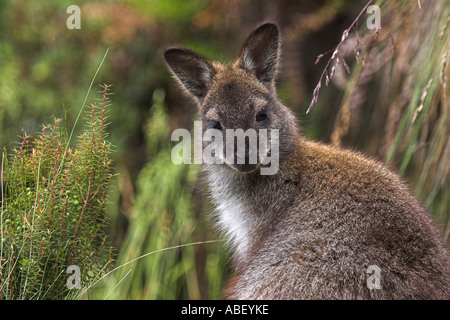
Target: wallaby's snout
[(246, 158)]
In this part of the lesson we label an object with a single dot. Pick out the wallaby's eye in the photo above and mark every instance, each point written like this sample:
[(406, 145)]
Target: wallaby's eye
[(262, 116), (213, 124)]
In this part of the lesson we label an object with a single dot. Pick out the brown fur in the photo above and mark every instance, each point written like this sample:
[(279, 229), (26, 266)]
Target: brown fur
[(311, 230)]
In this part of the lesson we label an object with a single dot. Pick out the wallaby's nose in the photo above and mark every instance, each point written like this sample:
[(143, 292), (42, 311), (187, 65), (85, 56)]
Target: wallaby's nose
[(242, 153), (245, 154)]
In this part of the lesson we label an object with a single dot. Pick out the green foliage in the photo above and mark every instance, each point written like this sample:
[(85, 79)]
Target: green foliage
[(53, 209), (176, 10)]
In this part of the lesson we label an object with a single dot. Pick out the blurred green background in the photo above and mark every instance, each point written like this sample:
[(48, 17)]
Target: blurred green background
[(394, 107)]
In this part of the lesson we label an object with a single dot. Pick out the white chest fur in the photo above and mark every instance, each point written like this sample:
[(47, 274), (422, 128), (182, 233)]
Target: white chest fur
[(232, 213)]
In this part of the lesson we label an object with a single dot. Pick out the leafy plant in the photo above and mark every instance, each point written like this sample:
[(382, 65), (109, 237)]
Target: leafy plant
[(53, 209)]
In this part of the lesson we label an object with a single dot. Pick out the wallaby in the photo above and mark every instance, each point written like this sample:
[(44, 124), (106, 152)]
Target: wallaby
[(330, 223)]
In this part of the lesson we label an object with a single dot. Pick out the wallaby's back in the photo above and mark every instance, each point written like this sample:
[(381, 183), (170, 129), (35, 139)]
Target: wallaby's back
[(330, 223)]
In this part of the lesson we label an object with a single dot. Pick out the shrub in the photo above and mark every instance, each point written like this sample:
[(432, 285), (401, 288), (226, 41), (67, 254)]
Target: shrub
[(53, 200)]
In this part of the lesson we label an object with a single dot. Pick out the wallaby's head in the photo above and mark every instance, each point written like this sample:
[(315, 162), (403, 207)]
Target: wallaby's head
[(241, 95)]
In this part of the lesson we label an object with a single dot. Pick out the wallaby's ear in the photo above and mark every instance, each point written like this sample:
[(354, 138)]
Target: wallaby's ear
[(260, 53), (193, 71)]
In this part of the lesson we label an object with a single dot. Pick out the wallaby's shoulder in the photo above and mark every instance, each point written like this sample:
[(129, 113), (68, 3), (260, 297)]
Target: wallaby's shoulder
[(330, 168)]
